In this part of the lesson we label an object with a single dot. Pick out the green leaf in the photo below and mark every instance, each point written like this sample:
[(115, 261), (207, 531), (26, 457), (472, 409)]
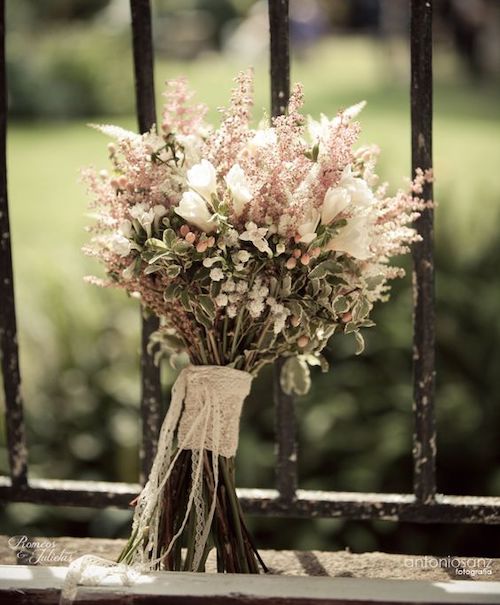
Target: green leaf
[(317, 360), (315, 286), (151, 269), (360, 309), (169, 236), (341, 305), (181, 246), (350, 327), (185, 299), (207, 305), (360, 343), (202, 319), (173, 271), (326, 267), (179, 361), (172, 343), (296, 308), (155, 244), (171, 291), (295, 376)]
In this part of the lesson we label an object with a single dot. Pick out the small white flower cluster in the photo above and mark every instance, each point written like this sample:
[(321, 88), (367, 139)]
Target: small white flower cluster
[(230, 296), (257, 297), (279, 314)]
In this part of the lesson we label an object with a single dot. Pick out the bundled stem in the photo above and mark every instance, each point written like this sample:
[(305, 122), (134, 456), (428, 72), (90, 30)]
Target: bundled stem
[(235, 550)]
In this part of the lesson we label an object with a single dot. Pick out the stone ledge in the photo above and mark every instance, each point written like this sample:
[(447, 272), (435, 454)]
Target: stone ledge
[(340, 564), (22, 585)]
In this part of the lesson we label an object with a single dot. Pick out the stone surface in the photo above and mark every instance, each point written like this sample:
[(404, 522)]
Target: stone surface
[(61, 551)]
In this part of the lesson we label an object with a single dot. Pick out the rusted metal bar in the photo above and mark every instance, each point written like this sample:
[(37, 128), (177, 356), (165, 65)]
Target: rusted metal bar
[(308, 503), (280, 55), (16, 437), (286, 439), (424, 439), (286, 442), (146, 117)]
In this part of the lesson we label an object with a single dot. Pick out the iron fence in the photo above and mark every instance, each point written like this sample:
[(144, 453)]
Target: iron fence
[(424, 505)]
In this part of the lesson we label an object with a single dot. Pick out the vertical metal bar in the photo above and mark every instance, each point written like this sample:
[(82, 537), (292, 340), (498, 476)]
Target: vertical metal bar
[(280, 55), (424, 440), (16, 438), (146, 117), (285, 429)]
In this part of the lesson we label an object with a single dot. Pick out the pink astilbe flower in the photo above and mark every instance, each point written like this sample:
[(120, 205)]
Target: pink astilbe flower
[(180, 115), (225, 144)]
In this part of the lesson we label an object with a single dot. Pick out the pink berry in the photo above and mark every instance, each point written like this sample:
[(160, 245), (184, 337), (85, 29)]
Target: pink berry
[(190, 237), (291, 263), (303, 341)]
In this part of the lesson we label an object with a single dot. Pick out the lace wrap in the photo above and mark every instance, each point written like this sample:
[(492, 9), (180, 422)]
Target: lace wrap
[(204, 414)]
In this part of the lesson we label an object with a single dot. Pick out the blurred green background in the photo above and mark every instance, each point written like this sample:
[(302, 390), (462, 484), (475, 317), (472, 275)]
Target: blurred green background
[(69, 63)]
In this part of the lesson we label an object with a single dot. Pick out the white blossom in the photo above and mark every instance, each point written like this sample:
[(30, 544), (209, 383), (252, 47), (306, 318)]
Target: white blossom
[(237, 184), (255, 308), (216, 274), (203, 179), (118, 244), (307, 230), (229, 286), (143, 216), (221, 300), (336, 200), (359, 192), (353, 238), (243, 256), (256, 235), (231, 311), (194, 210)]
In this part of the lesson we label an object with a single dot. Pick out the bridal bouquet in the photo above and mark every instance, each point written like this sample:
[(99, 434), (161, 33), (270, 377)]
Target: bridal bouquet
[(249, 244)]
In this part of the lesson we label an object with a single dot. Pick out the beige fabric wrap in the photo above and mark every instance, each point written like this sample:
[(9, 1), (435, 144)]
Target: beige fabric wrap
[(217, 392)]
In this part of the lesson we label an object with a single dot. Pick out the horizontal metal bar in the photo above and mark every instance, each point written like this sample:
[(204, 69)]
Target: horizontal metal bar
[(308, 504)]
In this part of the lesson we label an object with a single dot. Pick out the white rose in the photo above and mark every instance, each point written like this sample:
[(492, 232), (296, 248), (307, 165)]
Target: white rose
[(307, 230), (119, 244), (238, 186), (143, 217), (358, 189), (336, 200), (203, 179), (125, 228), (354, 238), (194, 210)]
